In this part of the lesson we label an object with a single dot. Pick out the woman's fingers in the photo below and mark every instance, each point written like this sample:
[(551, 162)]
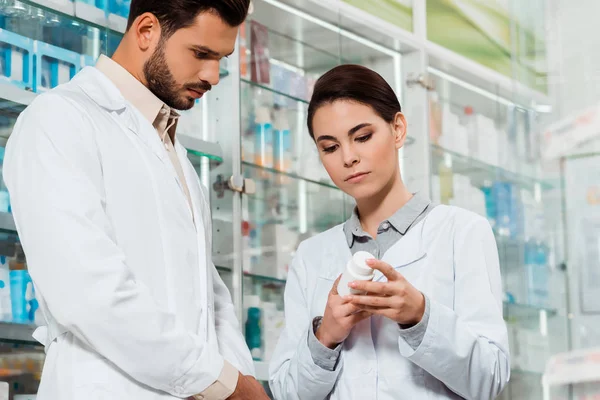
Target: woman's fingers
[(385, 268), (378, 288), (372, 301)]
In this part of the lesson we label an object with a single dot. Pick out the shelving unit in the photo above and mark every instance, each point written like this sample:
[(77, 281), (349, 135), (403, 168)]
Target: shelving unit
[(17, 333), (480, 172), (255, 234)]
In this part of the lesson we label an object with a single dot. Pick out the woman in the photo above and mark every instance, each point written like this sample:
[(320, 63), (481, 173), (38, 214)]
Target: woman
[(431, 326)]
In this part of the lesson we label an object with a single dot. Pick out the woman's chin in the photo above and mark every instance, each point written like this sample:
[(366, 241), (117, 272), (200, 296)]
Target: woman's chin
[(361, 192)]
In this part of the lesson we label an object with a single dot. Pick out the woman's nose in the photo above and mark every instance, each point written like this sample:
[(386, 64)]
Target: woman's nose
[(350, 158)]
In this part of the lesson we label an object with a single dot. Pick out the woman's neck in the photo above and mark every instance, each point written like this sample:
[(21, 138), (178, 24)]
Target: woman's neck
[(376, 209)]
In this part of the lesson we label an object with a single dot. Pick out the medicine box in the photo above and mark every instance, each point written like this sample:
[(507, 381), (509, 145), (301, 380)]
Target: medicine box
[(53, 66), (16, 59)]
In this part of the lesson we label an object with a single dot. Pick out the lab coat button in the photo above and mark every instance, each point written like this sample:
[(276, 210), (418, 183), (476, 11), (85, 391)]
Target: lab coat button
[(367, 368)]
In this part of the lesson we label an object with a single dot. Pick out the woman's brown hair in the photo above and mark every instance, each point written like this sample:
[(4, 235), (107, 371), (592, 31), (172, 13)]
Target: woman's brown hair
[(354, 83)]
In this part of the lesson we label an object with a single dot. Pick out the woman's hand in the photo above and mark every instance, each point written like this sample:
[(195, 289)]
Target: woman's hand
[(339, 319), (396, 299)]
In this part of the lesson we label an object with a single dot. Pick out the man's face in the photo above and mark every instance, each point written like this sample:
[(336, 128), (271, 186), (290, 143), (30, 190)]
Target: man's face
[(186, 65)]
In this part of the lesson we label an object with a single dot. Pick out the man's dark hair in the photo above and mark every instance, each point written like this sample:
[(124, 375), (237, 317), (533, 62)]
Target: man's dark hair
[(178, 14)]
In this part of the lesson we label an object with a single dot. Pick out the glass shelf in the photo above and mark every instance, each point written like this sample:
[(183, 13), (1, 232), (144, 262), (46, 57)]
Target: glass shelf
[(13, 99), (281, 175), (520, 311), (18, 333), (273, 91), (255, 277), (518, 372), (7, 223), (480, 172), (81, 13)]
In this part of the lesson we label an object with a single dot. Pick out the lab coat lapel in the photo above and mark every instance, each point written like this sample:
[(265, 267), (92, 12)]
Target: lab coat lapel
[(104, 93), (405, 252)]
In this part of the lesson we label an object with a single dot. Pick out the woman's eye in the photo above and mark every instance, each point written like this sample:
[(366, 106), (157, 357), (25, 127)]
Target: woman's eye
[(329, 149), (364, 138), (201, 55)]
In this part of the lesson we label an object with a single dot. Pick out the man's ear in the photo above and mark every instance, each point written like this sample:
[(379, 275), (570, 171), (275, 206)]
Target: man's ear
[(147, 31)]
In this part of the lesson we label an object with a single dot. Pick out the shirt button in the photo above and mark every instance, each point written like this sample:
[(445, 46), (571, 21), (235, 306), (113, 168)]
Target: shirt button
[(366, 369), (385, 225)]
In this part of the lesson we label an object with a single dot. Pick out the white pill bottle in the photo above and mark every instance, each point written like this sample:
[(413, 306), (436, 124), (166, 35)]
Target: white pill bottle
[(356, 270)]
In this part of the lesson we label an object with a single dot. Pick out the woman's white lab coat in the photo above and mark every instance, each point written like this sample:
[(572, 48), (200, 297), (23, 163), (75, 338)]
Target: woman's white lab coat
[(135, 308), (451, 256)]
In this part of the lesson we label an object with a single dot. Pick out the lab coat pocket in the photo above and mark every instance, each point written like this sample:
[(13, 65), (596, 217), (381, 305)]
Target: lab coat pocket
[(94, 377), (438, 281), (323, 287)]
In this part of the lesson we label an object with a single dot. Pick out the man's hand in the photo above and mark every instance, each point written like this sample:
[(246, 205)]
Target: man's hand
[(248, 388), (396, 299), (339, 319)]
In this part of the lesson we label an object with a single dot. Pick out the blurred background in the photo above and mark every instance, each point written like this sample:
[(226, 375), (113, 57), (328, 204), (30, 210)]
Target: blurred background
[(502, 98)]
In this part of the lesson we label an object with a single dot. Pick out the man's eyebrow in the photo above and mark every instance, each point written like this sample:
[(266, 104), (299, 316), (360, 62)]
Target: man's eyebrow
[(207, 50)]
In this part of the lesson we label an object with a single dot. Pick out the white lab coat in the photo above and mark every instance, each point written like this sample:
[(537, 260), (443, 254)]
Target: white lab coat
[(451, 256), (135, 308)]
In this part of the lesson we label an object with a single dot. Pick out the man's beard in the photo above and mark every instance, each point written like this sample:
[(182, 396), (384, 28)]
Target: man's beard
[(162, 83)]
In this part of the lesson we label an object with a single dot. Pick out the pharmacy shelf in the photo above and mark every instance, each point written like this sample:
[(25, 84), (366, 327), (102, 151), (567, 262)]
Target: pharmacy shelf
[(82, 13), (271, 173), (526, 312), (201, 148), (7, 223), (525, 374), (255, 85), (481, 172), (254, 277), (14, 99), (17, 333)]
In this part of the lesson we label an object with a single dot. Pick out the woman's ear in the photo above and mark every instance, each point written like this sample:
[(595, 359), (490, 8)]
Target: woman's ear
[(399, 129)]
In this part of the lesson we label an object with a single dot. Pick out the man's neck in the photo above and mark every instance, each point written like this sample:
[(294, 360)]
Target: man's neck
[(123, 57)]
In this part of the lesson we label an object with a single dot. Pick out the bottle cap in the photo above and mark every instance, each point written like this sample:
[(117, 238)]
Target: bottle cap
[(263, 115), (252, 301), (358, 264)]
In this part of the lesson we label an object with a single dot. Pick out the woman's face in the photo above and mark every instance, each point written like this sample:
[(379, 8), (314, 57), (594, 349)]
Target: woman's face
[(358, 148)]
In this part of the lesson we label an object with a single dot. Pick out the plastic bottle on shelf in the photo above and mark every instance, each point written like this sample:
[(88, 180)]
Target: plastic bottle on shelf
[(537, 274), (282, 158), (19, 283), (4, 197), (356, 270), (446, 179), (502, 195), (472, 132), (490, 203), (263, 138), (253, 327), (5, 303)]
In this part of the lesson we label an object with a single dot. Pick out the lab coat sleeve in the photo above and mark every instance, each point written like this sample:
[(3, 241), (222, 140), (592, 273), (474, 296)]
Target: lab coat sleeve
[(54, 175), (466, 348), (232, 344), (293, 372)]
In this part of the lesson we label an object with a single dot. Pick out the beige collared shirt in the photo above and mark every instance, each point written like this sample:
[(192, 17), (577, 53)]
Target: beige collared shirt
[(161, 116), (164, 119)]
